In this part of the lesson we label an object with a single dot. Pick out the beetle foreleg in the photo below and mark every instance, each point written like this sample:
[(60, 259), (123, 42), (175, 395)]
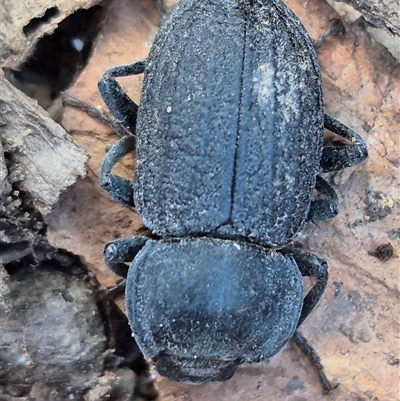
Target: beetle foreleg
[(337, 156)]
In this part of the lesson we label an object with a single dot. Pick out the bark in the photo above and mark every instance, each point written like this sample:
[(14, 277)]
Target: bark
[(45, 160), (380, 13)]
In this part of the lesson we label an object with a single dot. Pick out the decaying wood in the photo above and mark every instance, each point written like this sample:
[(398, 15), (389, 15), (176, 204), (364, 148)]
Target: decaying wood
[(5, 186), (59, 336), (27, 21), (58, 339), (45, 159), (380, 13), (380, 19)]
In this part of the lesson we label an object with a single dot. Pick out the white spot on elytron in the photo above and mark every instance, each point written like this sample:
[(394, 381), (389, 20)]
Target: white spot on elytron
[(264, 82), (169, 109), (237, 246)]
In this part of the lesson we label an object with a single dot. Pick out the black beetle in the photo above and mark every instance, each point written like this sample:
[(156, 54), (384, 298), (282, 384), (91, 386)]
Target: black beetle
[(229, 145)]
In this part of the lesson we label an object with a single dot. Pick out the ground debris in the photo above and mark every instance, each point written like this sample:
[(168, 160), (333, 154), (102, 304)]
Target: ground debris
[(43, 158)]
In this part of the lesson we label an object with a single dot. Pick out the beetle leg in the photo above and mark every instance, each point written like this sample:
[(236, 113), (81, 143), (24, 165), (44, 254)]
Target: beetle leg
[(119, 103), (337, 156), (161, 6), (312, 355), (310, 266), (336, 29), (326, 206), (68, 100), (118, 187), (116, 253)]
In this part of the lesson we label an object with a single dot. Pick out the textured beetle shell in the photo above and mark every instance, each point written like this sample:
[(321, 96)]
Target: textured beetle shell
[(212, 299), (230, 127)]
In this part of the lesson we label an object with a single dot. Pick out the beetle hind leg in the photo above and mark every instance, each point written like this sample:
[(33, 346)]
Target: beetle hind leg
[(336, 155), (312, 355), (311, 266)]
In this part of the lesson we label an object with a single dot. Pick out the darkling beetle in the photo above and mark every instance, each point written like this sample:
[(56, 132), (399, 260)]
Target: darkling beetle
[(229, 148)]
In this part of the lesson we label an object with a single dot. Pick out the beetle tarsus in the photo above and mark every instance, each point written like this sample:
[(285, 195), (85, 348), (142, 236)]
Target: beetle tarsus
[(336, 29), (338, 156), (312, 355)]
